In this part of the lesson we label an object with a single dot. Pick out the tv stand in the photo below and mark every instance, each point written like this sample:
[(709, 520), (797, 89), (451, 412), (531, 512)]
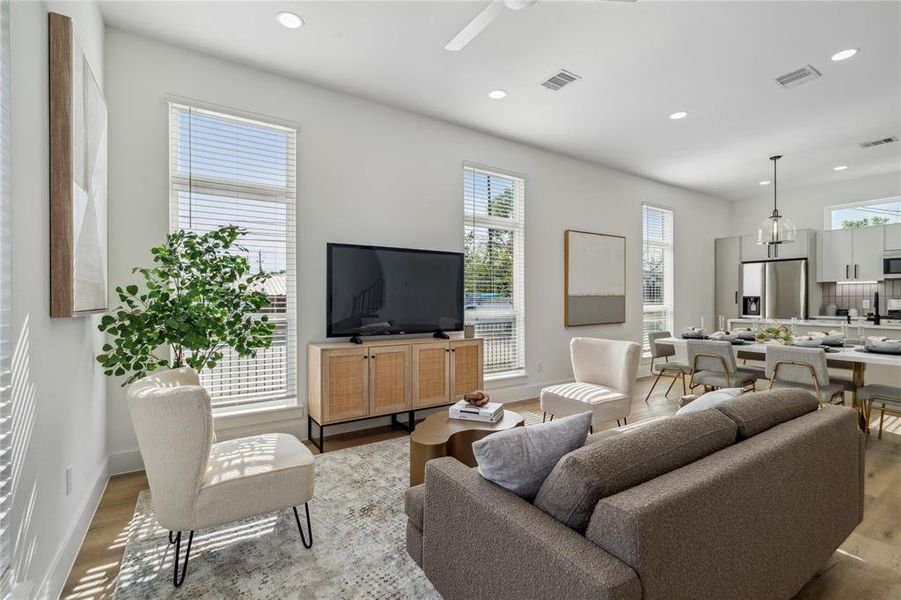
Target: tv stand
[(440, 335), (356, 340)]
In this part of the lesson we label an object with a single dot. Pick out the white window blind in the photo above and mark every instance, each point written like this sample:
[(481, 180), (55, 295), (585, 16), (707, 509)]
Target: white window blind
[(657, 273), (229, 169), (6, 338), (493, 234)]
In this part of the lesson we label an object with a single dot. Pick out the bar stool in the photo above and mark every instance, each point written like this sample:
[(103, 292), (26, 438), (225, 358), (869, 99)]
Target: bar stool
[(888, 396), (669, 368)]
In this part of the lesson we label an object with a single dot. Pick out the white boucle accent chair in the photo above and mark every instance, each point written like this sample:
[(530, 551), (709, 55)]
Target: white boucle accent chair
[(197, 483), (605, 372)]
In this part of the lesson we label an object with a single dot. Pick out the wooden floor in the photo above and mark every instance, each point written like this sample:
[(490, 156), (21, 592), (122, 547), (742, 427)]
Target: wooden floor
[(866, 567)]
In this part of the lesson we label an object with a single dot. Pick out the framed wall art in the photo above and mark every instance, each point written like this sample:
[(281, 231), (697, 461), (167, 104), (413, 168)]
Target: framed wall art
[(78, 178), (594, 278)]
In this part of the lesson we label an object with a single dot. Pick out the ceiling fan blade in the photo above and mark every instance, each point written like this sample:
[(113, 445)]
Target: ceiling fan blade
[(475, 27)]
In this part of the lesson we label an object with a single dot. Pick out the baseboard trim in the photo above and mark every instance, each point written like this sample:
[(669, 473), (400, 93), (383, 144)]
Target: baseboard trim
[(64, 560), (128, 461)]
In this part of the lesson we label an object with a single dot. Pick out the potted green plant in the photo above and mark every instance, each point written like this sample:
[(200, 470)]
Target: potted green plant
[(198, 299)]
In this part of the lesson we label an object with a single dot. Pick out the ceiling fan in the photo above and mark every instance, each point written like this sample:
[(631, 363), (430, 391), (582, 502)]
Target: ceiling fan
[(484, 19)]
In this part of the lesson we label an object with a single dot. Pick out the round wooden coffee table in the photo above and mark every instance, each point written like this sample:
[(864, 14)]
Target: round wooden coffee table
[(439, 435)]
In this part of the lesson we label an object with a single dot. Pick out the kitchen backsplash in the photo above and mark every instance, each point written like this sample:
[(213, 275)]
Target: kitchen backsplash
[(853, 295)]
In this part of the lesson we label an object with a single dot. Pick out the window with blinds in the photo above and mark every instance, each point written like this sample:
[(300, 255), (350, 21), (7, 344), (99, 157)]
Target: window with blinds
[(230, 169), (656, 272), (493, 235), (6, 337)]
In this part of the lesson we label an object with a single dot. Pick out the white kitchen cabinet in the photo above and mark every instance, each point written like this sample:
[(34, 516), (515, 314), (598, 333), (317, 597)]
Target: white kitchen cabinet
[(751, 251), (797, 249), (851, 254), (728, 272), (867, 253), (892, 237)]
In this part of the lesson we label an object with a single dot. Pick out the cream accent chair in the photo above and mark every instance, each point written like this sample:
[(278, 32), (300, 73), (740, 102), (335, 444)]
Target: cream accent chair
[(197, 483), (605, 372)]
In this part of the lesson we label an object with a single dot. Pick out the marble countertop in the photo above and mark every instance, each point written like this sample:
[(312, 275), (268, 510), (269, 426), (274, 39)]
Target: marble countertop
[(831, 322)]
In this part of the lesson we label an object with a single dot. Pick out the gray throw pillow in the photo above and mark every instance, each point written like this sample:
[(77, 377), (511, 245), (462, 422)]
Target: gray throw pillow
[(521, 458)]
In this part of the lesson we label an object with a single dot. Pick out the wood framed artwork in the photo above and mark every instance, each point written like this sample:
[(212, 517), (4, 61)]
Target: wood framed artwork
[(78, 187), (594, 278)]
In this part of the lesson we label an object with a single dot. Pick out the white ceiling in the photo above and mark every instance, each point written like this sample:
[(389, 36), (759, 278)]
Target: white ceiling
[(639, 63)]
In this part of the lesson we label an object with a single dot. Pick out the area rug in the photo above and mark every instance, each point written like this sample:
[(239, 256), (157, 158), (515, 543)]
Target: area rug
[(358, 532)]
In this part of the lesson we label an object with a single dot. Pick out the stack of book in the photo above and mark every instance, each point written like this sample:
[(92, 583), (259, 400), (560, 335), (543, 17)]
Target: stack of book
[(490, 413)]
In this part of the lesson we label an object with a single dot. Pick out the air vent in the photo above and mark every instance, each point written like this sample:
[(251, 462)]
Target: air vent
[(560, 80), (872, 143), (796, 78)]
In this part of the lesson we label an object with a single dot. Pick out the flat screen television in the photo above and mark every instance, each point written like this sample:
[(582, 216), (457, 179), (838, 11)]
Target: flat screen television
[(373, 290)]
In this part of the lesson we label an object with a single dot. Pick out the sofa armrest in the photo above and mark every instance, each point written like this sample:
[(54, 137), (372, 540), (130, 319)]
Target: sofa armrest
[(482, 541)]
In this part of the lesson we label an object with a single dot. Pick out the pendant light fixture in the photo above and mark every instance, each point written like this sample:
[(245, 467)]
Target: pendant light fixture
[(775, 229)]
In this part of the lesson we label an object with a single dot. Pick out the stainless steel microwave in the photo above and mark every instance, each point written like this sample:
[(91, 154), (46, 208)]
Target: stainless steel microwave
[(891, 265)]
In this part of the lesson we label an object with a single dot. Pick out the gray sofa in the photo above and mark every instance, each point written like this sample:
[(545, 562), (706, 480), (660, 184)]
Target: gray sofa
[(745, 500)]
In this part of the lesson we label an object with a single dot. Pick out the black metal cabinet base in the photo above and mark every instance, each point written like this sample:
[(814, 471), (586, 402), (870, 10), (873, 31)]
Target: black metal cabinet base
[(408, 426)]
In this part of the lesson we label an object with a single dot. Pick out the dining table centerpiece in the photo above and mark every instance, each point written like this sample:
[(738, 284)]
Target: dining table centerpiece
[(779, 334)]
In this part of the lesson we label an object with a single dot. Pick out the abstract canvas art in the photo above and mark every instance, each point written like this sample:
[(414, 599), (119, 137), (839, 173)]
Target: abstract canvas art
[(595, 278), (78, 178)]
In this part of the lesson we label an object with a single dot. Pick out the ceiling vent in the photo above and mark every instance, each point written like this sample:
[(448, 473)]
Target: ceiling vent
[(796, 78), (879, 142), (557, 81)]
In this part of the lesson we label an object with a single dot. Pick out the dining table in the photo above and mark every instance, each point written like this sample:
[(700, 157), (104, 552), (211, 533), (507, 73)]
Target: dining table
[(853, 357)]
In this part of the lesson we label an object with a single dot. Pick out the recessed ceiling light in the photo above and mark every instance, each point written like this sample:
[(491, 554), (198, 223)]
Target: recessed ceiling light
[(678, 115), (497, 94), (764, 183), (289, 20), (840, 168), (844, 54)]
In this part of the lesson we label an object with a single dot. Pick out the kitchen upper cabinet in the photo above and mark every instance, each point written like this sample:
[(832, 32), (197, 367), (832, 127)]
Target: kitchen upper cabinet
[(751, 251), (892, 237), (867, 253), (851, 254)]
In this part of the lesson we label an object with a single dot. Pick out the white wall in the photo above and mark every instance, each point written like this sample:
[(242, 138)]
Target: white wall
[(806, 206), (372, 174), (59, 398)]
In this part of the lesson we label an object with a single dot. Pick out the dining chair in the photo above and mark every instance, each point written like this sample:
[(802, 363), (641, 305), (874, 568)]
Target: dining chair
[(713, 365), (669, 368), (792, 366), (887, 395), (197, 483)]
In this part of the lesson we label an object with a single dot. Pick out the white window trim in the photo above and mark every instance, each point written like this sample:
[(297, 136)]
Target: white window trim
[(669, 261), (178, 182), (519, 267), (828, 210)]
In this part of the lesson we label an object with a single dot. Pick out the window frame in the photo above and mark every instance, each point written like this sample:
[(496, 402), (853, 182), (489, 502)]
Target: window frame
[(669, 251), (516, 225), (180, 182), (828, 210)]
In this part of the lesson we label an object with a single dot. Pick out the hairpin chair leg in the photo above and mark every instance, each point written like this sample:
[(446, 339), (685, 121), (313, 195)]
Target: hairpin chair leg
[(177, 579), (171, 539), (303, 538), (543, 417)]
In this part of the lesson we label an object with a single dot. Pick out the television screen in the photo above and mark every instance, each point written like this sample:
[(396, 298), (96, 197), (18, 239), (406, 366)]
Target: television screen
[(374, 290)]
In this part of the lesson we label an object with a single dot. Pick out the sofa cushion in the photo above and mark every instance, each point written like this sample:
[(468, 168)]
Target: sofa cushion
[(610, 465), (756, 412), (414, 501), (710, 399), (520, 459)]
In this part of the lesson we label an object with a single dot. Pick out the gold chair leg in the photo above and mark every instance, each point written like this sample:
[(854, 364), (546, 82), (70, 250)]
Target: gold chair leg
[(653, 385), (670, 387), (684, 391), (881, 419)]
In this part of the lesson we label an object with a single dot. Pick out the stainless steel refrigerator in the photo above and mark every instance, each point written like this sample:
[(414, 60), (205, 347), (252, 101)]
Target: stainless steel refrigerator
[(774, 289)]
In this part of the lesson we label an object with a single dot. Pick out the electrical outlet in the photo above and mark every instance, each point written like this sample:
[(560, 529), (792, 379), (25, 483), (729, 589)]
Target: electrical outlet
[(539, 366), (866, 303), (68, 480)]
